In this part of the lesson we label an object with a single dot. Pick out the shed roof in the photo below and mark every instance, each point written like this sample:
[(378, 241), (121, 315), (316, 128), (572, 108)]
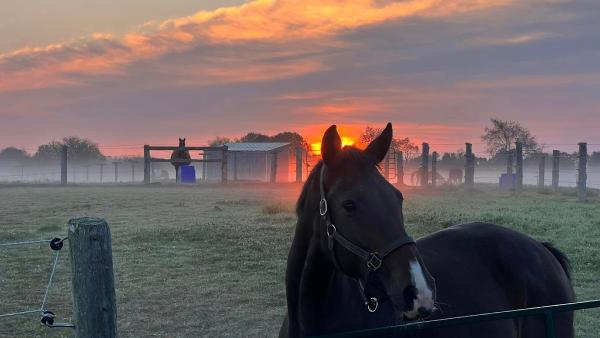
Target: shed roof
[(256, 146)]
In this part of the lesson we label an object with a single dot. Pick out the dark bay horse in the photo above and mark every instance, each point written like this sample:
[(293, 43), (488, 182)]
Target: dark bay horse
[(180, 156), (353, 266)]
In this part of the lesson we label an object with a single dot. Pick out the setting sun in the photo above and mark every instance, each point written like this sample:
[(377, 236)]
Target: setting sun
[(315, 147)]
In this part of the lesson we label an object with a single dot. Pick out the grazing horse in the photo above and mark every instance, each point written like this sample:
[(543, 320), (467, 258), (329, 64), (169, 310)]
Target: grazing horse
[(455, 176), (353, 266), (179, 157)]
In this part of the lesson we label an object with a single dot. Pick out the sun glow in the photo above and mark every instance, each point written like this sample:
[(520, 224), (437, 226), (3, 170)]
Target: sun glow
[(315, 147)]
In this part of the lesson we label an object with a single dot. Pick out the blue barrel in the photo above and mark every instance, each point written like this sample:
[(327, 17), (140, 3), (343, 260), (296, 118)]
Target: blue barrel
[(508, 181), (187, 174)]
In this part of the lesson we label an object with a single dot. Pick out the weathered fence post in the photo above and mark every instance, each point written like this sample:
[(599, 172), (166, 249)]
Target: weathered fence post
[(94, 301), (132, 171), (469, 165), (582, 172), (400, 168), (434, 156), (116, 164), (273, 173), (101, 171), (298, 165), (224, 165), (63, 165), (509, 163), (425, 165), (146, 164), (555, 169), (87, 173), (542, 172), (519, 165)]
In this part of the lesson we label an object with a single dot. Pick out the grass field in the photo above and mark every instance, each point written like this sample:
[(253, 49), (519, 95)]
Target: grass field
[(210, 261)]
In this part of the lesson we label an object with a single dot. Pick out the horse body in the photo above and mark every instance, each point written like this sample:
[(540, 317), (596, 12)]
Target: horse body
[(477, 267)]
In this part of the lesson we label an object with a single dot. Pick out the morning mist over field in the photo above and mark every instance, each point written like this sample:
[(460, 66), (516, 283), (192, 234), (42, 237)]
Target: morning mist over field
[(154, 71)]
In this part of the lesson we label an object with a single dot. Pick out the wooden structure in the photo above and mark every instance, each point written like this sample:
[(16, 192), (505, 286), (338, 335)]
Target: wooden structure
[(270, 162), (148, 159), (94, 300)]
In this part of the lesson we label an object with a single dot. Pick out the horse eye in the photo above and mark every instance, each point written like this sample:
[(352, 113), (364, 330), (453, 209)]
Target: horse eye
[(349, 206)]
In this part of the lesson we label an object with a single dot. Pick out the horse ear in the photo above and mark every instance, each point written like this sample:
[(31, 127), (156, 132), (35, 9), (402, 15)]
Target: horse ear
[(330, 145), (381, 144)]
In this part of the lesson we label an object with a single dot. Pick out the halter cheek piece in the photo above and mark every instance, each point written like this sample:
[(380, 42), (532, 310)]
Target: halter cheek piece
[(373, 260)]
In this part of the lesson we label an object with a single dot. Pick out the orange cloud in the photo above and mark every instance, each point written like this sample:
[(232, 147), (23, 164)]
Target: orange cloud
[(261, 20)]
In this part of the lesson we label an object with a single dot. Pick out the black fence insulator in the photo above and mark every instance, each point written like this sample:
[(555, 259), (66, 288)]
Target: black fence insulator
[(48, 318), (57, 243)]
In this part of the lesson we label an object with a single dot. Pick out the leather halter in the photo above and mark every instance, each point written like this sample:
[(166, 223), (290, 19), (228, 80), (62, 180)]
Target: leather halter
[(373, 260)]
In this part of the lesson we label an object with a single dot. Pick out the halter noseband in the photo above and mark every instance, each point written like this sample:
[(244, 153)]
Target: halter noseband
[(373, 260)]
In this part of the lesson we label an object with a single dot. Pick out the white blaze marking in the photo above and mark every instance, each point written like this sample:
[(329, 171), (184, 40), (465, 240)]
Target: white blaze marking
[(424, 293)]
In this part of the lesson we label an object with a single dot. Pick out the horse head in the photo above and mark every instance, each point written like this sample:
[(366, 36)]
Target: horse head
[(362, 228)]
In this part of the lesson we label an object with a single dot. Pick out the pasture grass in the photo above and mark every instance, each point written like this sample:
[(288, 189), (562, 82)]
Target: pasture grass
[(209, 261)]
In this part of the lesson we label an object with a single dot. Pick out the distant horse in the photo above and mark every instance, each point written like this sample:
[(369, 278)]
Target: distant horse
[(415, 178), (455, 176), (353, 266), (180, 157)]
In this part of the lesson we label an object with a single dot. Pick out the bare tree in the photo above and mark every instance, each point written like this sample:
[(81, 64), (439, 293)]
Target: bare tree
[(501, 136), (404, 145)]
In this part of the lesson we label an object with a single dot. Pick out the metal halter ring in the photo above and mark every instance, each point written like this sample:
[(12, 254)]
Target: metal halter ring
[(372, 304), (331, 230), (323, 207), (374, 262)]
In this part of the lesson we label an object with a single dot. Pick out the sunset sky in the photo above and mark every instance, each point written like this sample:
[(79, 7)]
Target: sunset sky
[(132, 72)]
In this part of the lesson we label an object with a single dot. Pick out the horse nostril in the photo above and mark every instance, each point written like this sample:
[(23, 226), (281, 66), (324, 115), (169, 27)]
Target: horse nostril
[(410, 292), (423, 312)]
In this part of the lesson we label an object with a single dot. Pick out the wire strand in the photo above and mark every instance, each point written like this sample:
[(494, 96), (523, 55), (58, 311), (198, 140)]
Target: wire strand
[(45, 300), (25, 242)]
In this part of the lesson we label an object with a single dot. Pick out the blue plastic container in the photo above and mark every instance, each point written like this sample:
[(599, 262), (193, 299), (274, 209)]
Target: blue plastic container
[(187, 174), (508, 181)]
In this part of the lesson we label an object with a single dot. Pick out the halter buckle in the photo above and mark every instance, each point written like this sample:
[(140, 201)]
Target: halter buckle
[(323, 207), (374, 261), (372, 304)]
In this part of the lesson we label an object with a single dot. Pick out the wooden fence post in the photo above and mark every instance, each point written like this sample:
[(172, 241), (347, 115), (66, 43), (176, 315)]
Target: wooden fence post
[(469, 165), (94, 301), (519, 165), (101, 171), (63, 165), (146, 164), (116, 164), (555, 169), (132, 171), (425, 165), (582, 172), (542, 172), (509, 163), (434, 156), (273, 172), (400, 168), (298, 165), (224, 166)]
